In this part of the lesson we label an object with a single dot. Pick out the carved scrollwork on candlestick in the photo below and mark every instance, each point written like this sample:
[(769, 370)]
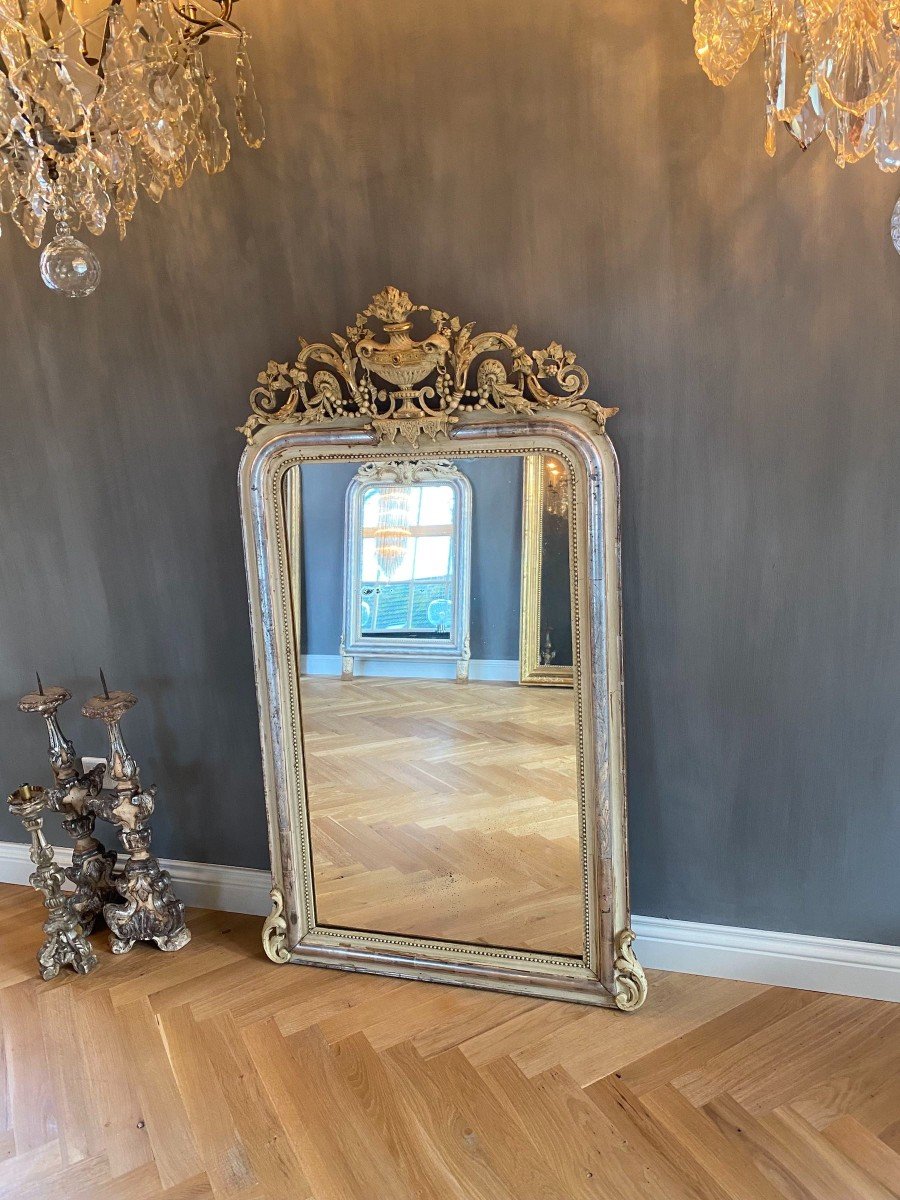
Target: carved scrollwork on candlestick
[(92, 871), (150, 910), (274, 934), (435, 380), (631, 982)]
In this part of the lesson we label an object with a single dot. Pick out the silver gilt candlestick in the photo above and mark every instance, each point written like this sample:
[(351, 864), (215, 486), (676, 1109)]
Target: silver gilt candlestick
[(65, 943), (150, 910), (92, 864)]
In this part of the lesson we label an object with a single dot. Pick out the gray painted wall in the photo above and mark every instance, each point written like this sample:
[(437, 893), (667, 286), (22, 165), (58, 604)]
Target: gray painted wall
[(562, 164), (496, 555)]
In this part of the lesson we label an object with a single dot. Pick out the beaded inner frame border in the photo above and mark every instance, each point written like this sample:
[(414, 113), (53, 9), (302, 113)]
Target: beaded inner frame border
[(605, 973)]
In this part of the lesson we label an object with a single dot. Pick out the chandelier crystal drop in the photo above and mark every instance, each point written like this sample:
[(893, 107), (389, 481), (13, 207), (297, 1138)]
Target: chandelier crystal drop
[(102, 101), (830, 67)]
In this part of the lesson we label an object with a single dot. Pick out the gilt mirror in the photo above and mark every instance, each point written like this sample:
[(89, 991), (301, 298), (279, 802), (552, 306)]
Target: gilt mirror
[(430, 815)]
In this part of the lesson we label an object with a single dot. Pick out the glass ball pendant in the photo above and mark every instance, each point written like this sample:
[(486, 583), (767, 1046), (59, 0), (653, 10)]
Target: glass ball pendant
[(895, 227), (68, 266)]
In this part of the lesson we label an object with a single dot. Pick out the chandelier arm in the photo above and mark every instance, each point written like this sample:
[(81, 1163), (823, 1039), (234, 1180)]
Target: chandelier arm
[(216, 21)]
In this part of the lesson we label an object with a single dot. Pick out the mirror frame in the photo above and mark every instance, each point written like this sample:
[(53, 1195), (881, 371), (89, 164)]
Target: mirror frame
[(408, 472), (570, 427)]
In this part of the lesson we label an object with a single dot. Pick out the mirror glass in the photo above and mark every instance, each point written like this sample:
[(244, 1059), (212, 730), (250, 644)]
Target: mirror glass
[(442, 793)]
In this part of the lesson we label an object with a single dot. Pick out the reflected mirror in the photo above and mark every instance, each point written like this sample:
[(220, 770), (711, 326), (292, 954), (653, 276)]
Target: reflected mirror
[(442, 795), (407, 535), (545, 651)]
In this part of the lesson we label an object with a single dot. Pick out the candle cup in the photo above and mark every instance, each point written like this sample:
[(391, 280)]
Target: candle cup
[(61, 750), (65, 943), (150, 910)]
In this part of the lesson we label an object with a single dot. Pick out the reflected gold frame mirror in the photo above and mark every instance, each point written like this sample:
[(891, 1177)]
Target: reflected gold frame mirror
[(380, 394), (545, 644)]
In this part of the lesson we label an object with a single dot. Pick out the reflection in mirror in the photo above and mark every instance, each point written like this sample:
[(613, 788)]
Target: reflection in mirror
[(443, 799), (406, 564), (546, 657)]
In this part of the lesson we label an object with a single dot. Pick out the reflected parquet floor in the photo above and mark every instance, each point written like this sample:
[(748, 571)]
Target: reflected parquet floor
[(445, 810)]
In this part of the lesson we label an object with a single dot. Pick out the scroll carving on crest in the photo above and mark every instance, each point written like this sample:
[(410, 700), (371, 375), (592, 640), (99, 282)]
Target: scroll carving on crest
[(409, 389)]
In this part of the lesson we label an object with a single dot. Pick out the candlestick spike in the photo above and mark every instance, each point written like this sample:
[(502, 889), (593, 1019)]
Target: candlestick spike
[(103, 681), (40, 685)]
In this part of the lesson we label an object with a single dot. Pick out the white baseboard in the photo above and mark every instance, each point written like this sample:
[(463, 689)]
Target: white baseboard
[(482, 670), (200, 885), (793, 960)]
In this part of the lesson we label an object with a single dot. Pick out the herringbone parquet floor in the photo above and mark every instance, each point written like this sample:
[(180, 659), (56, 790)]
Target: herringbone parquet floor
[(214, 1073)]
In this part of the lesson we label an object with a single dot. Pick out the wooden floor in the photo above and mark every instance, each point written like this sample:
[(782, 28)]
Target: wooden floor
[(214, 1073), (445, 810)]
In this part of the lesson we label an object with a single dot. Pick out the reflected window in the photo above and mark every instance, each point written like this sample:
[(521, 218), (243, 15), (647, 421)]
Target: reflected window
[(406, 584)]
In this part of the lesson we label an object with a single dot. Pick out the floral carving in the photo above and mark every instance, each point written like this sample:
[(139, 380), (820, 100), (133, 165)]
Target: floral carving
[(411, 388)]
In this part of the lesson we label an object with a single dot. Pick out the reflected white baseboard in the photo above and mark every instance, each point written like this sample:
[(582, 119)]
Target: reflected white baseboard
[(794, 960), (480, 669)]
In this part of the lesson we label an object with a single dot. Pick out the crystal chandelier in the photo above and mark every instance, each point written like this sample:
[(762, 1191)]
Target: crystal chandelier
[(831, 66), (101, 101)]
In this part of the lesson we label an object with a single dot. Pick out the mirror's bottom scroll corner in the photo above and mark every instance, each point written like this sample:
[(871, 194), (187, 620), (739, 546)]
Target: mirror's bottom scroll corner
[(631, 982)]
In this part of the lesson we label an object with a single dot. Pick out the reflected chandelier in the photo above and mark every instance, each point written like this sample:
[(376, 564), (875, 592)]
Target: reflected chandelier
[(393, 531), (101, 101), (831, 66)]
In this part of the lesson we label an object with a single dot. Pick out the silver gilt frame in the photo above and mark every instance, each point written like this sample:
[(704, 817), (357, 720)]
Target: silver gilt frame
[(381, 395)]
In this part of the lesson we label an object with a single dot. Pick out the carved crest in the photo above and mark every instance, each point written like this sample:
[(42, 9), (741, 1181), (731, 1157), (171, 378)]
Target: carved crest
[(408, 471), (432, 381)]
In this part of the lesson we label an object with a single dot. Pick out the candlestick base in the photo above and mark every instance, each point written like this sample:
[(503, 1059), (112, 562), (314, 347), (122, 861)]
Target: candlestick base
[(151, 911), (64, 946)]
